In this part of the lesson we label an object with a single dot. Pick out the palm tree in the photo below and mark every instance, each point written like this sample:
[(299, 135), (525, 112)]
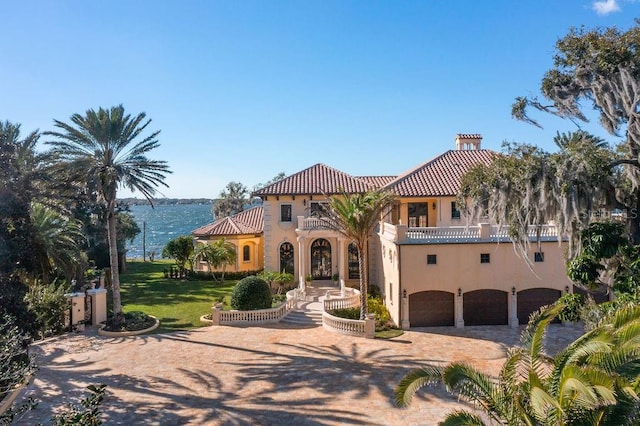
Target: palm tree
[(218, 255), (105, 150), (592, 381), (56, 242), (355, 216)]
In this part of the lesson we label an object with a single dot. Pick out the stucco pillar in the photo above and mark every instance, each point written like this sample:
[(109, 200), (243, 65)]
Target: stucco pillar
[(301, 262), (513, 315), (485, 231), (98, 305), (459, 309), (404, 314), (341, 268), (370, 326), (215, 313)]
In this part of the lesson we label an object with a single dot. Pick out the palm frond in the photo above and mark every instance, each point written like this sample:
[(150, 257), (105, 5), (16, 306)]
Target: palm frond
[(414, 381)]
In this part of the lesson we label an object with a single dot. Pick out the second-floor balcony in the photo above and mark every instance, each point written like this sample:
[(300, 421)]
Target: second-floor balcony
[(483, 232)]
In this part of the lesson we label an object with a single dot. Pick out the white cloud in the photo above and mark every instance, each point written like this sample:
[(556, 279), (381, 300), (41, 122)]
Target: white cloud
[(606, 7)]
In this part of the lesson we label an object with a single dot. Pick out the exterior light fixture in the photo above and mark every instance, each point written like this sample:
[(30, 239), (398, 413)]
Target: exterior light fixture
[(404, 293), (513, 291), (433, 205), (304, 202), (459, 292), (566, 289)]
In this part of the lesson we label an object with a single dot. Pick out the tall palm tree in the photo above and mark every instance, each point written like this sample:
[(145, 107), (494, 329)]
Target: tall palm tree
[(105, 149), (355, 216), (593, 381)]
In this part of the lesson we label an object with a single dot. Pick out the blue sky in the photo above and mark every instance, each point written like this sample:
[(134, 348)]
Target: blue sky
[(243, 90)]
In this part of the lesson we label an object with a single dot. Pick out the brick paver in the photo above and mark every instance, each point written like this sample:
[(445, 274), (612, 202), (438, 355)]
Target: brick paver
[(275, 375)]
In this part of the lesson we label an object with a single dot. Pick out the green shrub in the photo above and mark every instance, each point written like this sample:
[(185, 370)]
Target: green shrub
[(87, 414), (251, 293), (347, 313), (15, 363), (572, 302), (48, 304)]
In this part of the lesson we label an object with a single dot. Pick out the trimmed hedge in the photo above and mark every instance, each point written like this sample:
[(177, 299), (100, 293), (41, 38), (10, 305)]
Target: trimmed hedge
[(251, 293)]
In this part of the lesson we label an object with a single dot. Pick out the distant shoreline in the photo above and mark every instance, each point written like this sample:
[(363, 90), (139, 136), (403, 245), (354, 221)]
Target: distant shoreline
[(165, 201)]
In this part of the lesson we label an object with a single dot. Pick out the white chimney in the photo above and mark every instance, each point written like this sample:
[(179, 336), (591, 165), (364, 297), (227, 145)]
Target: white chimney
[(470, 141)]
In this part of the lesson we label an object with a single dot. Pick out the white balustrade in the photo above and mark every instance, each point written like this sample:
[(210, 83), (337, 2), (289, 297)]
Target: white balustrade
[(460, 234), (260, 316), (343, 325)]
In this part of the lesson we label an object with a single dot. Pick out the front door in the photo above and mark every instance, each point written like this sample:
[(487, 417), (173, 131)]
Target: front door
[(321, 259)]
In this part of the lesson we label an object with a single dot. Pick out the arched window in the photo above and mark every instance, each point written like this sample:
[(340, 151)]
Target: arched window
[(286, 258), (352, 262), (246, 253)]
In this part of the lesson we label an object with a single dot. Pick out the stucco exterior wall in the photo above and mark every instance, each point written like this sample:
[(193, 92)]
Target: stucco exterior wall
[(256, 259), (458, 266)]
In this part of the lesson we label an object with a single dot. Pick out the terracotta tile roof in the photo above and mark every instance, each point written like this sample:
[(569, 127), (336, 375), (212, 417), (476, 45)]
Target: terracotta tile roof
[(317, 179), (376, 181), (249, 221), (440, 176)]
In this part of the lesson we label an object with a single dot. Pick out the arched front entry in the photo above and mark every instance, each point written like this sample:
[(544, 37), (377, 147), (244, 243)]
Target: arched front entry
[(431, 309), (321, 259)]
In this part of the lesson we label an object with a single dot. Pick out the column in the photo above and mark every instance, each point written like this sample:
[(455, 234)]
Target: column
[(459, 309), (404, 313), (301, 262), (513, 308), (98, 305), (341, 268)]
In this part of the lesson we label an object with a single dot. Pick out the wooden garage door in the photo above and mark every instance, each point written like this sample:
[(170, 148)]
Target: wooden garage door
[(431, 309), (485, 307), (533, 299)]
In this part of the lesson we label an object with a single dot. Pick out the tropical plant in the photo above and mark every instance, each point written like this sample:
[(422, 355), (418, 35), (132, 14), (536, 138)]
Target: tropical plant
[(105, 150), (48, 304), (181, 250), (251, 293), (57, 243), (355, 216), (571, 305), (592, 381), (217, 255)]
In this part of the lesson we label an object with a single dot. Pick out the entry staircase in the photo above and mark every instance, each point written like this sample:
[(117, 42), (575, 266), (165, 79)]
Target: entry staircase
[(308, 311)]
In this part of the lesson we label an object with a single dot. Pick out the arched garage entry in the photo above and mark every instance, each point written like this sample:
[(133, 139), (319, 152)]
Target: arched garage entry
[(431, 309), (533, 299), (485, 307)]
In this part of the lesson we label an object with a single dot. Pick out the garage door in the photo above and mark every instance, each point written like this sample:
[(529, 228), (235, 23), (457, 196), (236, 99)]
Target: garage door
[(431, 309), (485, 307), (533, 299)]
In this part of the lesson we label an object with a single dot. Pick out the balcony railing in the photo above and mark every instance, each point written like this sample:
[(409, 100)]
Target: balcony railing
[(312, 223), (461, 234)]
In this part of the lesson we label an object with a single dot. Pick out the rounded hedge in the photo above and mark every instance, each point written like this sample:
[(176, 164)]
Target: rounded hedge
[(251, 293)]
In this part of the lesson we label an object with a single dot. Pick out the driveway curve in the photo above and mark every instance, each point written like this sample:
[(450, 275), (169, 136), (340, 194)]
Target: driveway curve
[(276, 375)]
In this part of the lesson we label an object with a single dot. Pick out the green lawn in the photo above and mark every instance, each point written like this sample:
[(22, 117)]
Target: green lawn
[(178, 304)]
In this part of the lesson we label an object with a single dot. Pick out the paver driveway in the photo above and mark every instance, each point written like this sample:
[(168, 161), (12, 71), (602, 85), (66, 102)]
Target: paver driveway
[(264, 376)]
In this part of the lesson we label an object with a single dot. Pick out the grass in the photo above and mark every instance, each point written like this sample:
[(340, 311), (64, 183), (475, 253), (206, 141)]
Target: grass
[(176, 303)]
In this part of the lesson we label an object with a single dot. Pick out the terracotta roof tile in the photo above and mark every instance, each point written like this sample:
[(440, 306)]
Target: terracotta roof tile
[(376, 181), (317, 179), (249, 221), (440, 176)]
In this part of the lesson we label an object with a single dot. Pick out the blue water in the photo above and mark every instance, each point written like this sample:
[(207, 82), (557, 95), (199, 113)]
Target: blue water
[(165, 223)]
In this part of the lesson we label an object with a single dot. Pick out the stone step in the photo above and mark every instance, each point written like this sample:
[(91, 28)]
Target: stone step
[(313, 318)]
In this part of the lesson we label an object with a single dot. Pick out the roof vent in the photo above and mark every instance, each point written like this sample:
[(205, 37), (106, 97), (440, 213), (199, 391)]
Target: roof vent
[(468, 141)]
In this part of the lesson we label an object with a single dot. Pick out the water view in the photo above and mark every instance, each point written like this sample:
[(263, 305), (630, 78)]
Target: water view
[(164, 223)]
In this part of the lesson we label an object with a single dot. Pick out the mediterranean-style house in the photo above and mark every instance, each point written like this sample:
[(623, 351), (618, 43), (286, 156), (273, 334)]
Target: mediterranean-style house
[(431, 266), (244, 231)]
